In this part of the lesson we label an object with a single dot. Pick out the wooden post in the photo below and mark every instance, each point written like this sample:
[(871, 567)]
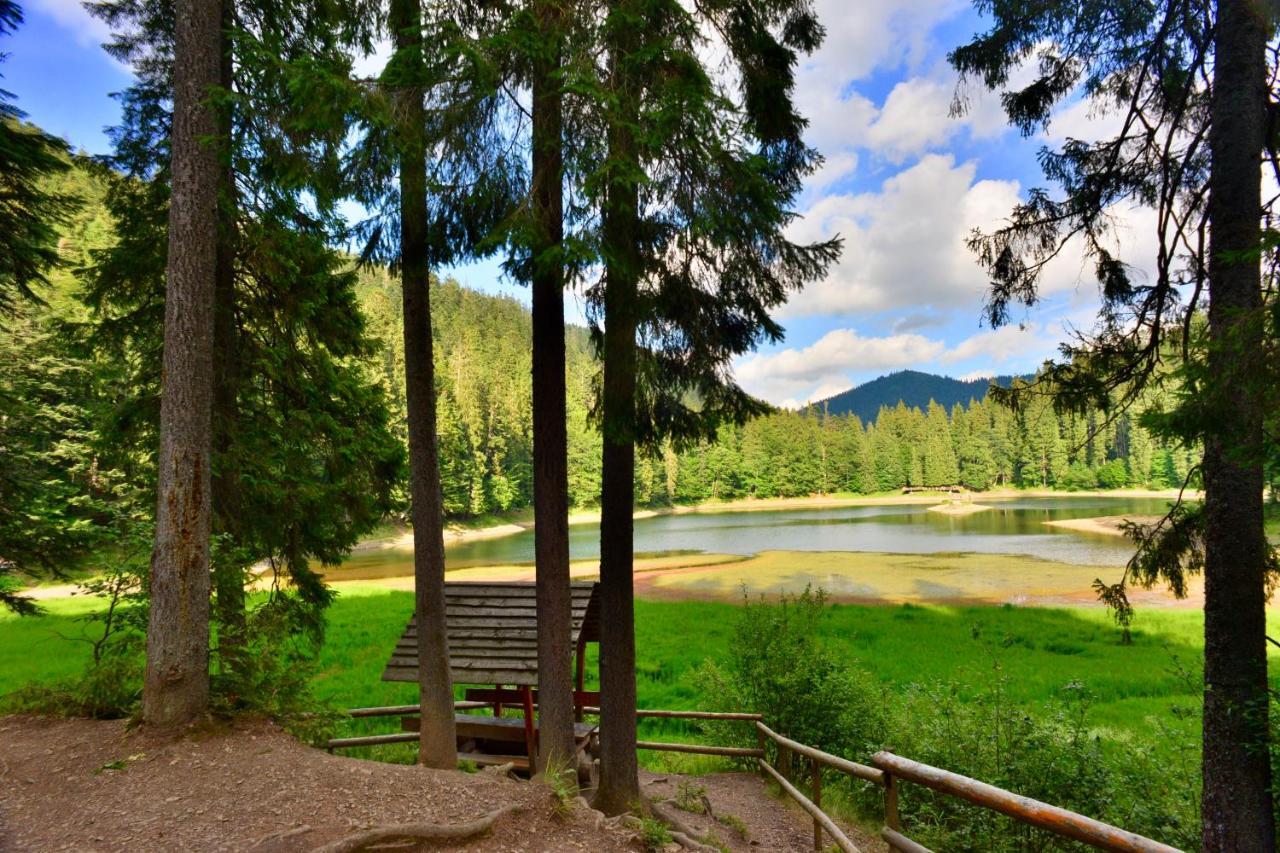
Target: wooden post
[(580, 655), (760, 744), (784, 761), (891, 818), (817, 801), (530, 733)]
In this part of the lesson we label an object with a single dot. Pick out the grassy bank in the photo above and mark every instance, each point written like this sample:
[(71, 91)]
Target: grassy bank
[(1034, 652)]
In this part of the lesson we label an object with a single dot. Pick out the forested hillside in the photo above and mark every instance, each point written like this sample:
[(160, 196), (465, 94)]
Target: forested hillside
[(482, 355), (791, 454)]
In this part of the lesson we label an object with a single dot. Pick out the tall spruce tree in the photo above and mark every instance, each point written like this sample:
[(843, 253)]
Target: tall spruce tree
[(291, 483), (550, 415), (434, 167), (694, 186), (437, 746), (1190, 86), (176, 686)]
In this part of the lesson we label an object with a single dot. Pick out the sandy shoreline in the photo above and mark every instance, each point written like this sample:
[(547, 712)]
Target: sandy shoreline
[(1104, 525)]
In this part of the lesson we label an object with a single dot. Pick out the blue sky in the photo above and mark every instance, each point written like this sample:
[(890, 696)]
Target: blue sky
[(903, 184)]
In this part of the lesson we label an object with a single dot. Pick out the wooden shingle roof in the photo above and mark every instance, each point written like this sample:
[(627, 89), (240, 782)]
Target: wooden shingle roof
[(493, 633)]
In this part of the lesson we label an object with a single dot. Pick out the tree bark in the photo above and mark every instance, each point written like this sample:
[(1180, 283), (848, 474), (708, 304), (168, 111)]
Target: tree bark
[(176, 684), (550, 437), (228, 574), (1236, 798), (619, 783), (437, 745)]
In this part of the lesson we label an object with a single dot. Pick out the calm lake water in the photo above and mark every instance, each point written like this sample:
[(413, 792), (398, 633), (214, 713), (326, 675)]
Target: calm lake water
[(1014, 526)]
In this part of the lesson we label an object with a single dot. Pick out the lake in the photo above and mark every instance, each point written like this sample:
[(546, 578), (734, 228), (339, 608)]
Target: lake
[(1011, 526)]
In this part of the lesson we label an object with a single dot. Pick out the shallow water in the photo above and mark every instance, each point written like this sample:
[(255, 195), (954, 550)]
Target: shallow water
[(1011, 526)]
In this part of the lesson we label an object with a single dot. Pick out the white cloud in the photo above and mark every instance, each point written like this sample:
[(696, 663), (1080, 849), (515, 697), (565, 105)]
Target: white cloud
[(916, 117), (823, 368), (1004, 346), (863, 37), (832, 169), (904, 245), (71, 14)]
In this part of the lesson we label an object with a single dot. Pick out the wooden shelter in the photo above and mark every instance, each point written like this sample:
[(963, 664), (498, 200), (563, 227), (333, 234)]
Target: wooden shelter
[(493, 648)]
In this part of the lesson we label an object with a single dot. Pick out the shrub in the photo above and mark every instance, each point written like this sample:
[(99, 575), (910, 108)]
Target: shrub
[(654, 834), (1113, 474), (778, 666), (271, 670), (1078, 477), (111, 685)]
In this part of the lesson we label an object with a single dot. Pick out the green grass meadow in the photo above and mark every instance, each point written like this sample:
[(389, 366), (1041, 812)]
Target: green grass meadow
[(1033, 653)]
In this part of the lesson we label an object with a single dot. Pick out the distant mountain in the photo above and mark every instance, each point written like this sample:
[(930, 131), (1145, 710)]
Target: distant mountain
[(911, 387)]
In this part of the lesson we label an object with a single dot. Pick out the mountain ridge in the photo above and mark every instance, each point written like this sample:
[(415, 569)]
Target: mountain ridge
[(913, 388)]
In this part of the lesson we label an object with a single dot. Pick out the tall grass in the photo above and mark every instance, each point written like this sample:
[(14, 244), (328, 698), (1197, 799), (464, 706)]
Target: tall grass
[(1038, 651)]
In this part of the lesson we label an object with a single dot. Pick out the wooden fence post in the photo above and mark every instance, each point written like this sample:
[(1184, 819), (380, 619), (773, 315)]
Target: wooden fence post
[(817, 801), (760, 744), (784, 761), (891, 818)]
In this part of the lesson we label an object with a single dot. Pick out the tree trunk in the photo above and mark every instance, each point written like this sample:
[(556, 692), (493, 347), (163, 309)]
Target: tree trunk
[(176, 685), (437, 744), (228, 573), (1236, 799), (550, 437), (619, 783)]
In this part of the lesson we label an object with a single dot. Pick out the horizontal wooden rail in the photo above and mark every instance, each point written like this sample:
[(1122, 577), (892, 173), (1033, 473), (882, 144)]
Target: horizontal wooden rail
[(853, 768), (701, 749), (1052, 818), (687, 715), (372, 740), (897, 841), (402, 710), (842, 840)]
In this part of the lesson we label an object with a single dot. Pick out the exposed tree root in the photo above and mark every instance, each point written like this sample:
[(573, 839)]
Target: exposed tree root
[(281, 835), (681, 833), (416, 832)]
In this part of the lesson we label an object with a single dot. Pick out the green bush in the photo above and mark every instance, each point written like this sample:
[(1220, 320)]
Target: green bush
[(778, 666), (1113, 474), (1079, 477), (111, 685)]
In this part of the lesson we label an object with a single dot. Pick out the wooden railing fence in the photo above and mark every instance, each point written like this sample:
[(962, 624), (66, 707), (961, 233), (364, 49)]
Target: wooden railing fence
[(886, 771), (889, 769)]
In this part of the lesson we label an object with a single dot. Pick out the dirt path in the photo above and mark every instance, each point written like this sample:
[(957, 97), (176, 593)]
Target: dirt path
[(89, 785), (743, 816), (92, 785)]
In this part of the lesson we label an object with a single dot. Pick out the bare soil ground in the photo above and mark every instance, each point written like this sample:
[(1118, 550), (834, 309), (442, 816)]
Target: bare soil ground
[(89, 785), (93, 785), (743, 816)]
